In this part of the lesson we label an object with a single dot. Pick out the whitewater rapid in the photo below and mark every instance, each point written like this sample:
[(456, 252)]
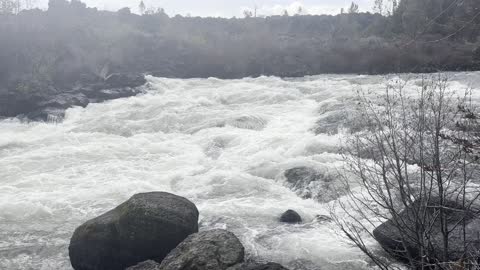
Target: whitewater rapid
[(223, 144)]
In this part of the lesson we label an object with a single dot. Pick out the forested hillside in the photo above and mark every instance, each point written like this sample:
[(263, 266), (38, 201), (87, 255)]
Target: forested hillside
[(70, 43)]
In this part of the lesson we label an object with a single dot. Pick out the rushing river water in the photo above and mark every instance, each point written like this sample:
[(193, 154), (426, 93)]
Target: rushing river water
[(223, 144)]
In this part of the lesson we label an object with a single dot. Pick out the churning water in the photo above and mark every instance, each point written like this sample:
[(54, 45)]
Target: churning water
[(224, 144)]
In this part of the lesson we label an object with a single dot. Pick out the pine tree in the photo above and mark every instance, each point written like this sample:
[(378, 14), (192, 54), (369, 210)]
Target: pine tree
[(378, 6), (142, 7), (353, 8)]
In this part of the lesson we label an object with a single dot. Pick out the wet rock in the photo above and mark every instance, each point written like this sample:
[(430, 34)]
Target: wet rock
[(248, 122), (114, 93), (390, 237), (290, 216), (309, 183), (301, 177), (118, 80), (51, 115), (210, 250), (146, 227), (258, 266), (35, 102), (147, 265), (19, 100), (337, 115), (333, 122), (54, 107), (66, 100)]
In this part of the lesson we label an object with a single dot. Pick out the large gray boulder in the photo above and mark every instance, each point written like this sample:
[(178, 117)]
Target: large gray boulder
[(209, 250), (146, 227), (391, 234)]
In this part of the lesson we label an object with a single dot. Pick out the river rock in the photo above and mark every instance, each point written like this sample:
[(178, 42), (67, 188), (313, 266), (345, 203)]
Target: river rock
[(290, 216), (209, 250), (55, 107), (146, 227), (257, 266), (337, 115), (37, 102), (390, 237), (119, 80), (66, 100), (309, 183)]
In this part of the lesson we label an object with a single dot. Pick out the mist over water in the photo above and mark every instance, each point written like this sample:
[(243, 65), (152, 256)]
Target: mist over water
[(223, 144)]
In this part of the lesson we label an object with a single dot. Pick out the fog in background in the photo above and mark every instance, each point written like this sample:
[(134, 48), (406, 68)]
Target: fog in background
[(231, 8), (72, 47)]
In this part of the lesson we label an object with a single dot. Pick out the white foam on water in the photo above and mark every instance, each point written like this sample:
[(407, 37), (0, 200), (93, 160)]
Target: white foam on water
[(221, 143)]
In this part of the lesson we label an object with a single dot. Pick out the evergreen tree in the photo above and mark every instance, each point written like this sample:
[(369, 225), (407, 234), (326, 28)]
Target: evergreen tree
[(141, 7), (353, 8)]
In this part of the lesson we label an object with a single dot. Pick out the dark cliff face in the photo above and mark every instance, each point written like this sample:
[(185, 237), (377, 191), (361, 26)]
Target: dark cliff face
[(41, 102)]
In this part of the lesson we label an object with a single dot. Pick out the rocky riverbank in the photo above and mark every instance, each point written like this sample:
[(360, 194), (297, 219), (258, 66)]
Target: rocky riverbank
[(43, 103), (156, 230)]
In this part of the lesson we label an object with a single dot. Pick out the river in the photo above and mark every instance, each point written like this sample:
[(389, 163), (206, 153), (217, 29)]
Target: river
[(223, 144)]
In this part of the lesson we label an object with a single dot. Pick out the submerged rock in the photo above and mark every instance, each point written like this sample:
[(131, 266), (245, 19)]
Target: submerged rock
[(247, 122), (338, 115), (146, 227), (290, 216), (210, 250), (312, 184), (390, 236), (56, 106)]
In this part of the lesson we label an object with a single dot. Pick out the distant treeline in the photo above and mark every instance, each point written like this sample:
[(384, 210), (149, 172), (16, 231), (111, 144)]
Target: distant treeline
[(70, 43)]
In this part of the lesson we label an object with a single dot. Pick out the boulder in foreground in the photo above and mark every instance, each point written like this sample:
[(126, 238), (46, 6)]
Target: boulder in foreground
[(146, 227), (390, 236), (209, 250)]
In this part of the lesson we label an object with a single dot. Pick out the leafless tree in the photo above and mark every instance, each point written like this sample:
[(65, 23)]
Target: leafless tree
[(378, 6), (413, 170), (247, 14), (15, 6), (7, 6), (385, 7), (29, 4)]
